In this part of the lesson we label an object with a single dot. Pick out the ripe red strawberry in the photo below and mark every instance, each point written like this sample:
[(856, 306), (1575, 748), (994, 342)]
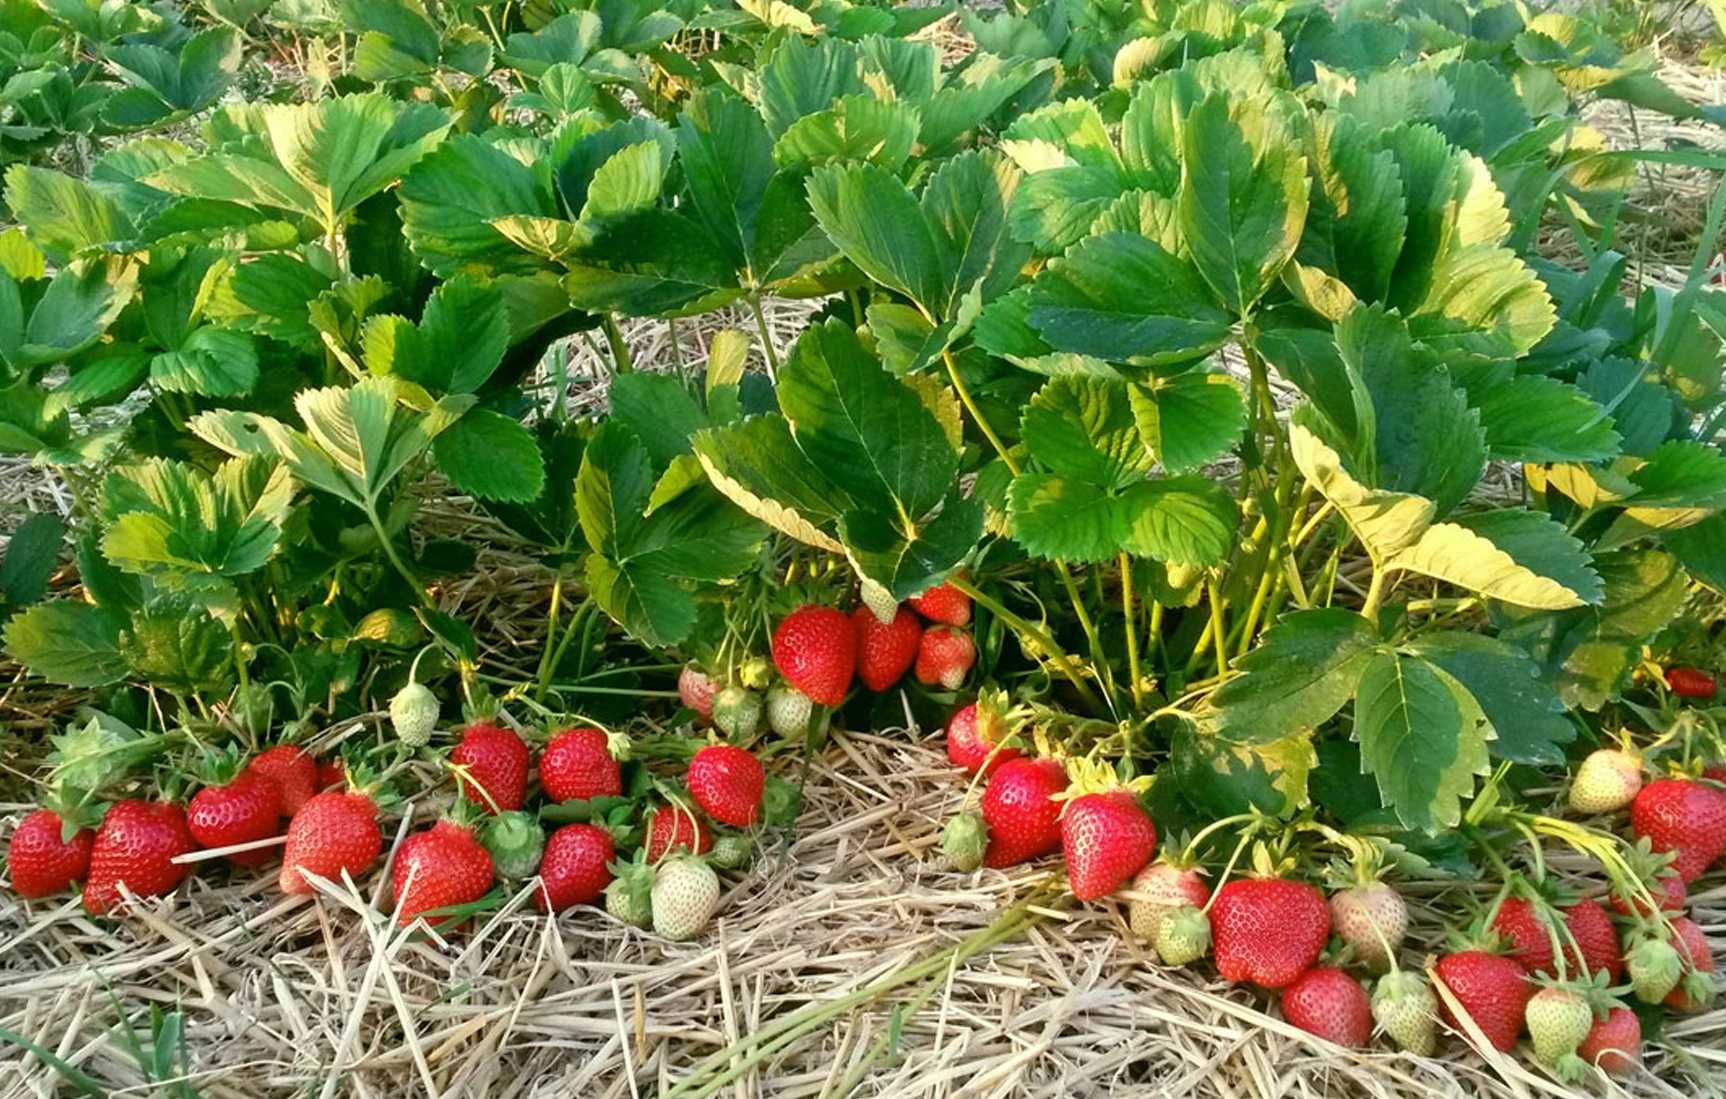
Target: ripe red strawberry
[(577, 765), (443, 866), (136, 846), (885, 652), (1531, 939), (1670, 894), (1596, 938), (1691, 683), (1329, 1003), (1491, 988), (944, 657), (576, 867), (727, 782), (246, 809), (1160, 886), (330, 772), (972, 734), (1607, 781), (815, 649), (1024, 821), (292, 770), (1654, 870), (1614, 1044), (40, 861), (945, 604), (331, 833), (1695, 987), (696, 690), (1685, 817), (1268, 930), (1106, 838), (495, 760), (676, 827), (1372, 919)]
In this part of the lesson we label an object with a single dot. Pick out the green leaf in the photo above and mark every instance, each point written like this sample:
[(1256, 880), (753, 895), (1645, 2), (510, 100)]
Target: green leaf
[(1512, 555), (1423, 736), (759, 467), (1181, 520), (64, 215), (879, 226), (1702, 549), (855, 128), (1526, 714), (1189, 419), (72, 314), (67, 642), (1083, 428), (212, 362), (1536, 419), (803, 76), (168, 519), (1241, 208), (1220, 778), (660, 411), (491, 456), (1119, 296), (1299, 676), (453, 199), (877, 546), (31, 556), (1064, 518), (178, 647)]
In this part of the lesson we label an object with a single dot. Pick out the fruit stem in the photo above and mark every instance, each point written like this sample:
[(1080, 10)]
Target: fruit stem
[(1067, 664)]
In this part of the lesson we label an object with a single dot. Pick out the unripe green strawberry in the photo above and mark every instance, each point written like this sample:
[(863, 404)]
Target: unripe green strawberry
[(964, 840), (685, 895), (732, 851), (629, 897), (1183, 935), (755, 673), (413, 714), (737, 712), (516, 843), (1405, 1008), (788, 710), (1558, 1020), (1607, 781), (1655, 969)]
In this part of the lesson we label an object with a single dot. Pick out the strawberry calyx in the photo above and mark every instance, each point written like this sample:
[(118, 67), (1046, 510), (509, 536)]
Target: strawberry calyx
[(1088, 776)]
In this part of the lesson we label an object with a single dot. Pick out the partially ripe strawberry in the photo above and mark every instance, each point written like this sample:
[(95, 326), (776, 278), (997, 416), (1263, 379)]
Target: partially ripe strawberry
[(727, 782), (332, 833), (1161, 886), (243, 811), (1685, 817), (685, 896), (945, 604), (444, 866), (1372, 919), (1018, 806), (577, 765), (944, 657), (815, 649), (696, 690), (1614, 1044), (1329, 1003), (1559, 1019), (1268, 930), (136, 847), (40, 861), (1106, 838), (575, 868), (1691, 683), (1608, 780), (972, 735), (292, 770), (675, 828), (885, 652), (1696, 960), (493, 763), (1404, 1005), (1492, 989)]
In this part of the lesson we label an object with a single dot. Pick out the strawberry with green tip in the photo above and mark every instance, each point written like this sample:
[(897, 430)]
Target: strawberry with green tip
[(136, 847), (788, 710), (1169, 881), (1329, 1003), (944, 604), (1559, 1019), (728, 783), (1106, 835), (333, 833), (1405, 1007), (944, 657), (737, 712), (815, 650), (516, 843), (1267, 929), (1492, 988), (885, 651), (414, 714), (442, 867), (577, 765), (576, 867), (491, 764), (1183, 934), (629, 897), (1019, 807), (695, 690), (1372, 919), (48, 852), (1608, 780), (685, 896), (1614, 1042)]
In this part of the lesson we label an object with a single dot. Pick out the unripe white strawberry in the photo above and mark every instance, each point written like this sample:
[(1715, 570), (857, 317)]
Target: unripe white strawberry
[(964, 841), (685, 895), (1654, 968), (1156, 889), (1607, 781), (788, 710), (1183, 935), (413, 714), (1372, 919), (1558, 1020), (737, 712), (1405, 1008)]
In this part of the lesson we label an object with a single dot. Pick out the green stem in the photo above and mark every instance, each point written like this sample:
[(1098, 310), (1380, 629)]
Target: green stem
[(1093, 641), (621, 359), (1130, 614), (542, 675), (575, 621), (1067, 664), (977, 416), (766, 337), (1219, 635), (389, 549), (1374, 594)]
